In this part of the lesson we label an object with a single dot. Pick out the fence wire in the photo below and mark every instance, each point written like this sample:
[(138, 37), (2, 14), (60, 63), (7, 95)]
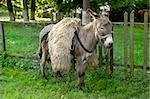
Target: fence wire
[(22, 40)]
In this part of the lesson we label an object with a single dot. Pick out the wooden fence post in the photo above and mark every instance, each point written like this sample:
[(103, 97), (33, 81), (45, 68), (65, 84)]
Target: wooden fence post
[(54, 17), (145, 43), (77, 15), (132, 42), (125, 42), (3, 36), (72, 14), (61, 15), (107, 63), (111, 58), (100, 55), (58, 17)]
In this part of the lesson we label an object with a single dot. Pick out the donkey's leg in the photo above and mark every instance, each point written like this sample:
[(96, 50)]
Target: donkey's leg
[(49, 60), (40, 51), (80, 73), (43, 61)]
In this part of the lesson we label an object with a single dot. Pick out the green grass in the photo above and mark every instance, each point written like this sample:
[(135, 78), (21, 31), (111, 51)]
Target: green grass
[(19, 82), (22, 40), (20, 78)]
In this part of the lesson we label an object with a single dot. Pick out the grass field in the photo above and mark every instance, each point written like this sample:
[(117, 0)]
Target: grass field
[(24, 82), (22, 40), (20, 78)]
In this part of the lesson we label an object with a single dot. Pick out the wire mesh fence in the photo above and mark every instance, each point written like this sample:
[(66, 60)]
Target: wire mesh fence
[(21, 40)]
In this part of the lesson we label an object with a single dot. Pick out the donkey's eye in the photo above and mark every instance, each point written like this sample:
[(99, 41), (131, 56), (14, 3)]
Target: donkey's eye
[(102, 34), (105, 24)]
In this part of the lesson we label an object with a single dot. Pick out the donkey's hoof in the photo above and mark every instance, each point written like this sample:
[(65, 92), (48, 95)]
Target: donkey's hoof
[(58, 74), (81, 86), (44, 77)]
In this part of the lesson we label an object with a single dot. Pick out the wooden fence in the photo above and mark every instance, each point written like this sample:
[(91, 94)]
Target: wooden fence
[(131, 66), (110, 57)]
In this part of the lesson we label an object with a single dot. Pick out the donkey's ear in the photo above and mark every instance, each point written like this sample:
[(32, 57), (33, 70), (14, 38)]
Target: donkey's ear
[(92, 13)]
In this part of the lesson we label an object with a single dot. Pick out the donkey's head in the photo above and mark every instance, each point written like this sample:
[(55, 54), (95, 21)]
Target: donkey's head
[(103, 29)]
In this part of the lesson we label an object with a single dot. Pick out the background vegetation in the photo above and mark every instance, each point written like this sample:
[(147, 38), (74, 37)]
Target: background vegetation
[(118, 7), (20, 82)]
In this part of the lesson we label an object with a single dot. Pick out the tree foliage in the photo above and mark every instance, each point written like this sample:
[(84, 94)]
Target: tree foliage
[(18, 5), (118, 7), (68, 5), (45, 4), (10, 9)]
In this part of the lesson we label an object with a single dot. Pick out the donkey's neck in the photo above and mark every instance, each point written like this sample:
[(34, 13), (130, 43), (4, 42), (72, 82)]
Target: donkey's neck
[(87, 35)]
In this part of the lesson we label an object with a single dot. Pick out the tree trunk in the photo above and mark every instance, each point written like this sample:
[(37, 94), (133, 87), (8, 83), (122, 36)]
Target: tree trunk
[(32, 14), (85, 16), (25, 12), (10, 9)]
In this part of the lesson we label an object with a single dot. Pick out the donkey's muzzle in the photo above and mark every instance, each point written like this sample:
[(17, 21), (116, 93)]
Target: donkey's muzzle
[(110, 45)]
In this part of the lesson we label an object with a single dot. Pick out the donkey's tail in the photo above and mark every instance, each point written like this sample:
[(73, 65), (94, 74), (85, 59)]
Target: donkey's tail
[(43, 40), (40, 51)]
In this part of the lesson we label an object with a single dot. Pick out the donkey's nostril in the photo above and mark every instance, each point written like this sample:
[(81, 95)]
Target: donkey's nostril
[(102, 28), (110, 45)]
